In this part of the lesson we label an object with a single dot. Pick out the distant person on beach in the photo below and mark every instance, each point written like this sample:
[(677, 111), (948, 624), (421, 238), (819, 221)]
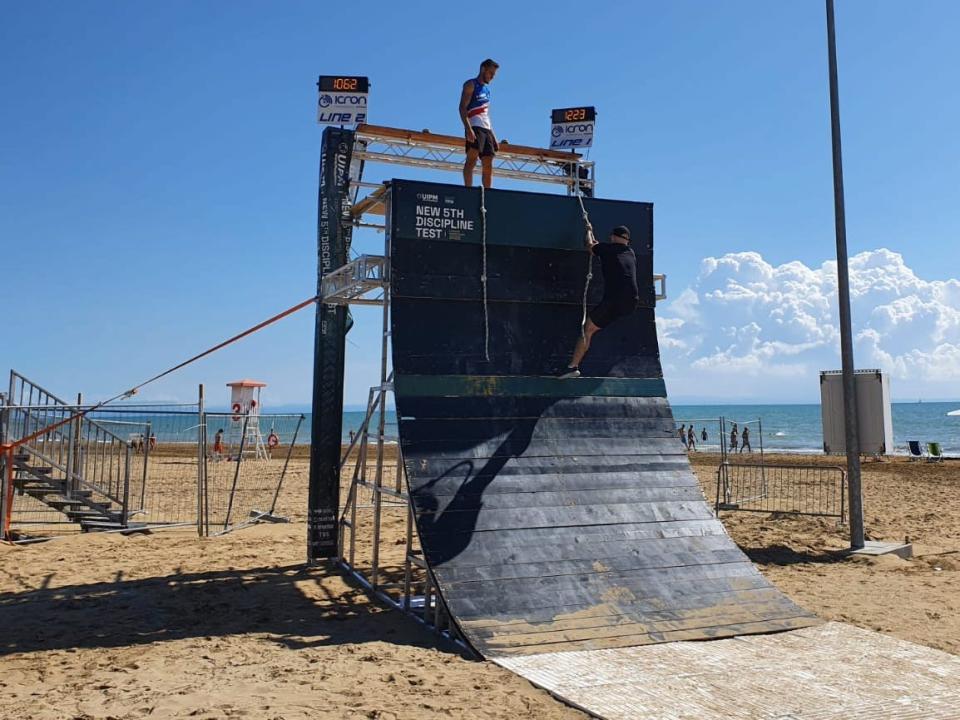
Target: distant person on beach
[(733, 438), (618, 264), (481, 141), (745, 440), (691, 439), (683, 435), (703, 435), (353, 436), (218, 445)]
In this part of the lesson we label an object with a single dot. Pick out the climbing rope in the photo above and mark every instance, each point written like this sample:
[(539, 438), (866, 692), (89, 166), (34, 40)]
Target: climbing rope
[(586, 284), (483, 275)]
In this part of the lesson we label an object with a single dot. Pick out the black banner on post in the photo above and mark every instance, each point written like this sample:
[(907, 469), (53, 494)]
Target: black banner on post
[(333, 246)]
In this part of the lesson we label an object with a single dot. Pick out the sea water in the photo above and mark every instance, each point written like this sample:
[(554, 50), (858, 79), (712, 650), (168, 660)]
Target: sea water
[(780, 428), (798, 428), (784, 428)]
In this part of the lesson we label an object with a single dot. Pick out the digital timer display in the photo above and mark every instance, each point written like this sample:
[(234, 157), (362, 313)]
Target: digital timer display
[(343, 83), (577, 114)]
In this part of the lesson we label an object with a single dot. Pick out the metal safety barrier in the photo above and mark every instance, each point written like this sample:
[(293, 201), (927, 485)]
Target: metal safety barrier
[(817, 490)]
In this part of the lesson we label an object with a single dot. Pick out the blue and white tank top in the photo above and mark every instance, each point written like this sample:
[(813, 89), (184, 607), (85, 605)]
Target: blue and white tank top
[(478, 110)]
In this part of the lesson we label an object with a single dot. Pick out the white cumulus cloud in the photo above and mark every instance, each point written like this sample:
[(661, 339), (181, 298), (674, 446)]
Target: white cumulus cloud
[(748, 330)]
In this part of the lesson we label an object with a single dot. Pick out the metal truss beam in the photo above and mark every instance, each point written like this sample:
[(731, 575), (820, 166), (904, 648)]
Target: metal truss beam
[(353, 283), (447, 152), (661, 294)]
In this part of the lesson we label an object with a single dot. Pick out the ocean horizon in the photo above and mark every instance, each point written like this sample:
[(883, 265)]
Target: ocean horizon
[(783, 428), (776, 428)]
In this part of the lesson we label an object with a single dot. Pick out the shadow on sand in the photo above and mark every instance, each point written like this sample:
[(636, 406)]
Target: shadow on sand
[(784, 555), (291, 604)]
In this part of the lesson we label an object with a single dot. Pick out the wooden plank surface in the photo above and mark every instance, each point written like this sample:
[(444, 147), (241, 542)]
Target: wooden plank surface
[(525, 339), (441, 269), (829, 672), (553, 513), (526, 386)]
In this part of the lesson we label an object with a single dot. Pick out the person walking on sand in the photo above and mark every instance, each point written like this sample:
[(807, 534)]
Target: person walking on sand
[(691, 439), (683, 435), (481, 141), (733, 438), (618, 263), (745, 440)]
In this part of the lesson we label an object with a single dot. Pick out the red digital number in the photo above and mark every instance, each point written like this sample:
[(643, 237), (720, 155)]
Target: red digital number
[(345, 84)]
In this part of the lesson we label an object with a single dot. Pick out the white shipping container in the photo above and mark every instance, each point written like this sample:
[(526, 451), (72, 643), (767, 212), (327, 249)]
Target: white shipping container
[(874, 419)]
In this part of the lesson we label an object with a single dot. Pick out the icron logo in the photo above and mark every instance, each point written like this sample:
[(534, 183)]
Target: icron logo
[(557, 131), (577, 129), (328, 100)]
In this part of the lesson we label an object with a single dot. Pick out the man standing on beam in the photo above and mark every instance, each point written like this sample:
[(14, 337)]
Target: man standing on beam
[(621, 297), (475, 114)]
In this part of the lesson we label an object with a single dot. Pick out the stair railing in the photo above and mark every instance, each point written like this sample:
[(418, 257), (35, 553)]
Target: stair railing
[(84, 454)]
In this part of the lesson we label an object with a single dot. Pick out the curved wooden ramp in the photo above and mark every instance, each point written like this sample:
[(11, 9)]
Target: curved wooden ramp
[(555, 515)]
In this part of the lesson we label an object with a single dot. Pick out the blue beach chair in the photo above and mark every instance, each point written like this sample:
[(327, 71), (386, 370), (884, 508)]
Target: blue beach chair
[(916, 452)]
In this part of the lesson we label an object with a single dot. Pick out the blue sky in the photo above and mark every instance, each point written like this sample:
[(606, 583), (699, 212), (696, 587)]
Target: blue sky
[(158, 172)]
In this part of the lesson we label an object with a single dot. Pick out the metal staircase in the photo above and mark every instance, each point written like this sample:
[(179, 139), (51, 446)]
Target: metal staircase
[(80, 469), (92, 511)]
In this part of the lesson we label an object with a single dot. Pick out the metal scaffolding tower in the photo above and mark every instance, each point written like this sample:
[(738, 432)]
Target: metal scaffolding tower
[(377, 485)]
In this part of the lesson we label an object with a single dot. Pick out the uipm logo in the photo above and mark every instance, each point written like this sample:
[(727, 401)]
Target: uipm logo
[(340, 164)]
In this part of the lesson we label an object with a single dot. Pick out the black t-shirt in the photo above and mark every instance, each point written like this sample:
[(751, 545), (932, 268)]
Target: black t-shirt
[(619, 266)]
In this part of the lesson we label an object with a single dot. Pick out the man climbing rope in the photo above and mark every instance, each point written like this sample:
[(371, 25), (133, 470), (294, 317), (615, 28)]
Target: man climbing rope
[(620, 295), (475, 114)]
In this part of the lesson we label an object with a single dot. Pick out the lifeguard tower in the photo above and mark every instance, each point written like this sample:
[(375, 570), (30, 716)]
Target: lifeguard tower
[(245, 413)]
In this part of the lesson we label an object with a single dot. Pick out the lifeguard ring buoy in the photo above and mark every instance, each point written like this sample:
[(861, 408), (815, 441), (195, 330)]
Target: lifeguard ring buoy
[(236, 412), (272, 440)]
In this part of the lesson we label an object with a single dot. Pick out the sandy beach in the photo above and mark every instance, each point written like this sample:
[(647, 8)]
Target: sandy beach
[(171, 625)]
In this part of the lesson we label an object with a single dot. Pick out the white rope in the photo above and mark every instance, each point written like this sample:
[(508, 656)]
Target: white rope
[(483, 276), (586, 285)]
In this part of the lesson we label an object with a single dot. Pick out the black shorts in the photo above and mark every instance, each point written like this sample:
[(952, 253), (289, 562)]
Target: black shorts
[(485, 145), (609, 310)]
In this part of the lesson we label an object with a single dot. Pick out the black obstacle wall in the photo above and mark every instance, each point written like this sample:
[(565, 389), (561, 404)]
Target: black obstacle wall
[(536, 266), (554, 514)]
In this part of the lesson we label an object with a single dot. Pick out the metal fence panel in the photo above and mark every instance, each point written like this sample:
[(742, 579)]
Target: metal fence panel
[(135, 466), (786, 489), (247, 458)]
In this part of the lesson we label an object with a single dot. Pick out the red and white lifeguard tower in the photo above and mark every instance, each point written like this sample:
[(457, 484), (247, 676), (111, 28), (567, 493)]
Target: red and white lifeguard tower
[(245, 409)]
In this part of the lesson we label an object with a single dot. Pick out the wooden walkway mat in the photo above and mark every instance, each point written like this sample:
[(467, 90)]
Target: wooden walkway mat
[(829, 672)]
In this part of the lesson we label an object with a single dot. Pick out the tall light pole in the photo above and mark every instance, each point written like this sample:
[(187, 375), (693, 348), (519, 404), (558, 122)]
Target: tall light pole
[(843, 288)]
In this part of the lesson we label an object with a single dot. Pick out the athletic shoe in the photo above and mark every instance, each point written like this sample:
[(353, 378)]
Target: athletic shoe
[(570, 372)]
